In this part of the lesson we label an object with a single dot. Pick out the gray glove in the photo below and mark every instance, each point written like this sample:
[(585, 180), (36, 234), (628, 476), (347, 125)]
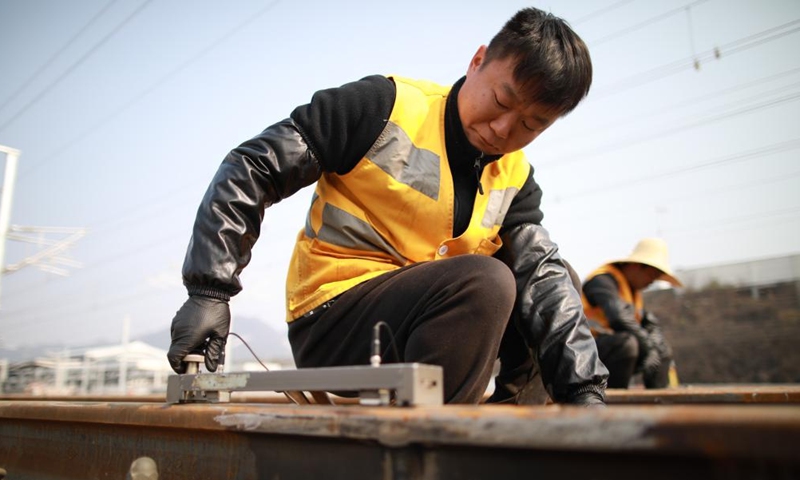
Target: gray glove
[(200, 326)]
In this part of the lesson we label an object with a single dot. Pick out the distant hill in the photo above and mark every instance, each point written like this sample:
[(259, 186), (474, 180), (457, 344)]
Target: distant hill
[(269, 344)]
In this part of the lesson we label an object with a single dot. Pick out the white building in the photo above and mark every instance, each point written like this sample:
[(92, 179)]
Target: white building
[(759, 276), (762, 272), (135, 368)]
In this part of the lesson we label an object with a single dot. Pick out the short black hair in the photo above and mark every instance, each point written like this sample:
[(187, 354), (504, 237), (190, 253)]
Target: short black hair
[(553, 66)]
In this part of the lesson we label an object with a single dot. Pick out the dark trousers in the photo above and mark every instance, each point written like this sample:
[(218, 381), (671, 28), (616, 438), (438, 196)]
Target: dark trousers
[(519, 380), (450, 312)]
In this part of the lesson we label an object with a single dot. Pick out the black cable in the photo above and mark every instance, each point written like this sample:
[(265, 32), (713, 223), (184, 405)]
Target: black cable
[(296, 397), (248, 347), (376, 341)]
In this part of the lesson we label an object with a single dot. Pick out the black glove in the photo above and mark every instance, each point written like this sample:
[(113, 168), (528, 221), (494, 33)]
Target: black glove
[(200, 326), (651, 361), (588, 400)]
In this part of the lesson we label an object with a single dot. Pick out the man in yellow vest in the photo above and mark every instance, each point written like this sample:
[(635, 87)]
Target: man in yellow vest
[(629, 339), (425, 216)]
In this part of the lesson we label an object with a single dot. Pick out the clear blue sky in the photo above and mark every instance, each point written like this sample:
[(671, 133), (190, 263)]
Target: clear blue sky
[(124, 109)]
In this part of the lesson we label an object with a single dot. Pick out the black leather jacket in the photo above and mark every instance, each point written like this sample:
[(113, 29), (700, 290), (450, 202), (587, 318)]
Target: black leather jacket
[(332, 134)]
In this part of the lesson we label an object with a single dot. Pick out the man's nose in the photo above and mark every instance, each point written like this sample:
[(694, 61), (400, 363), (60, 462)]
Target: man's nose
[(502, 125)]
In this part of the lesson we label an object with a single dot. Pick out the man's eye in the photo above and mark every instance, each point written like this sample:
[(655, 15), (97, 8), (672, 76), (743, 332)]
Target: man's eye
[(497, 101), (528, 128)]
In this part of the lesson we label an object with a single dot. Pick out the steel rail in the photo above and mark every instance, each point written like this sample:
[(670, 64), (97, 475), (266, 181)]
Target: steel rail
[(87, 440), (756, 394), (708, 394)]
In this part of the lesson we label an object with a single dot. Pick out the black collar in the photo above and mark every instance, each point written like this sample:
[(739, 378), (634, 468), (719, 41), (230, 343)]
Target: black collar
[(460, 152)]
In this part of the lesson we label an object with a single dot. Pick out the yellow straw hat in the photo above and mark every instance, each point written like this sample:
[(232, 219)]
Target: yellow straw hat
[(653, 252)]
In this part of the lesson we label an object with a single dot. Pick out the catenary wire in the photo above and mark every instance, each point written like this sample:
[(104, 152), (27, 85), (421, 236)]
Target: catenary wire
[(27, 82), (74, 66), (631, 141), (734, 220), (728, 159), (678, 66), (597, 13), (640, 25), (124, 217), (688, 102), (149, 89)]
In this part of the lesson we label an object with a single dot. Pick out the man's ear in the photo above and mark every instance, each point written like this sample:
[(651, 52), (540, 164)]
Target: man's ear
[(477, 59)]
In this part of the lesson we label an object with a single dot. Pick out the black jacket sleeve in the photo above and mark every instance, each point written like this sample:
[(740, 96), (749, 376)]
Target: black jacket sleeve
[(603, 291), (330, 134), (549, 315), (548, 311), (257, 174)]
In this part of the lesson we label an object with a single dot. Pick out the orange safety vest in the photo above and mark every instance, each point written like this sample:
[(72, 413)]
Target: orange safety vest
[(596, 316), (395, 207)]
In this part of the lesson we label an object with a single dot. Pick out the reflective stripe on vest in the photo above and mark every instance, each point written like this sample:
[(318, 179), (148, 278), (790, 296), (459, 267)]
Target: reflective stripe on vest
[(597, 318), (395, 207)]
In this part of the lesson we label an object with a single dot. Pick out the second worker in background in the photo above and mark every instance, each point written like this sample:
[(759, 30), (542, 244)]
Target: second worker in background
[(629, 338)]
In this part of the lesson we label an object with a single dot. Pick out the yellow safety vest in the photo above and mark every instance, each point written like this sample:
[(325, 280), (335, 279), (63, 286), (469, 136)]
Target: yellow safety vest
[(596, 316), (395, 207)]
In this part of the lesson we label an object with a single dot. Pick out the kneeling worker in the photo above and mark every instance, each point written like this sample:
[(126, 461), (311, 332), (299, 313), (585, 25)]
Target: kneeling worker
[(629, 339)]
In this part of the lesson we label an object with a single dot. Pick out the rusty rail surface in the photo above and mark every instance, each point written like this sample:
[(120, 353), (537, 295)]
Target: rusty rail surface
[(93, 440), (716, 394), (685, 394)]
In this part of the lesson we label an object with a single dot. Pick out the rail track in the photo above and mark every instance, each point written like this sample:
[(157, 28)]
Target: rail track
[(699, 432)]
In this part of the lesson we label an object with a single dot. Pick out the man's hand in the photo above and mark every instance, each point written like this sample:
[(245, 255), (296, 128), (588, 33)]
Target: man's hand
[(200, 326), (651, 361)]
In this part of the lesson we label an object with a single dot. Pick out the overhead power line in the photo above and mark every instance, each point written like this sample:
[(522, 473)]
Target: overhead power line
[(628, 142), (672, 68), (783, 177), (641, 25), (597, 13), (124, 217), (693, 101), (109, 260), (149, 89), (728, 159), (58, 53), (734, 220), (57, 312), (74, 66)]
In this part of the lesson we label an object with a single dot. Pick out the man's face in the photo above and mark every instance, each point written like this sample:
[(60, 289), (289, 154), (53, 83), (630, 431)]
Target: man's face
[(640, 276), (496, 117)]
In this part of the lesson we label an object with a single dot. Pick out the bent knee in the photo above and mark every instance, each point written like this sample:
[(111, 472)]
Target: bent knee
[(628, 346), (493, 276)]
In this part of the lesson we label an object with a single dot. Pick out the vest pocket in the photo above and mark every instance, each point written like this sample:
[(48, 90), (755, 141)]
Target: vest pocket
[(489, 246)]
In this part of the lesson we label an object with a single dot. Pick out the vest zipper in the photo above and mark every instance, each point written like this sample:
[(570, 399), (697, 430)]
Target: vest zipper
[(478, 167)]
